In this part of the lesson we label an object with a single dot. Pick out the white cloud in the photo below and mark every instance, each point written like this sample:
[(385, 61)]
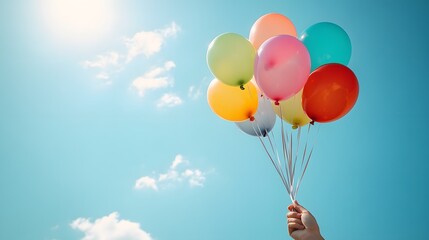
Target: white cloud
[(102, 76), (171, 175), (110, 228), (174, 175), (146, 182), (108, 64), (154, 79), (171, 31), (177, 160), (169, 100), (103, 61), (195, 177), (149, 42), (194, 92)]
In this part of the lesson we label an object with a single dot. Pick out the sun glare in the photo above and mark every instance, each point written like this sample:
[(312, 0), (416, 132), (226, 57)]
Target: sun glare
[(78, 21)]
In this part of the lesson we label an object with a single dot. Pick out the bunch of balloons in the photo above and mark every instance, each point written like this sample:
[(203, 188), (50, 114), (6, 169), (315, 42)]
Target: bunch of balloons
[(306, 76), (302, 79)]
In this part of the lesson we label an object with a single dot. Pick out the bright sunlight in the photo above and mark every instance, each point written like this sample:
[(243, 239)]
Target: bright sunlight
[(78, 21)]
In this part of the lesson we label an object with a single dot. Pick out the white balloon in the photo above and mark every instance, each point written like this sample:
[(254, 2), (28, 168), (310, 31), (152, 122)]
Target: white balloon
[(265, 118)]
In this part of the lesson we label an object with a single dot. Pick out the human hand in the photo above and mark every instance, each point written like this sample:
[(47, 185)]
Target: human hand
[(301, 223)]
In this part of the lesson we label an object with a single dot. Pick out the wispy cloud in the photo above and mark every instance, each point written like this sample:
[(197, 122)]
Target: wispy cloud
[(179, 159), (149, 42), (107, 64), (154, 79), (103, 76), (146, 182), (171, 31), (171, 175), (177, 173), (103, 61), (194, 92), (195, 177), (110, 227), (169, 100)]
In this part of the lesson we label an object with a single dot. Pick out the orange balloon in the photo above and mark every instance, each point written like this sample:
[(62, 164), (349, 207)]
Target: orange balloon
[(330, 93), (268, 26), (231, 103)]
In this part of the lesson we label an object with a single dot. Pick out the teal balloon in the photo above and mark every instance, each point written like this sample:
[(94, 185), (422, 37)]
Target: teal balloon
[(327, 43)]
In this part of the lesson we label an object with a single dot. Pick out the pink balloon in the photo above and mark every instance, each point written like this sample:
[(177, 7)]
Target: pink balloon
[(282, 67)]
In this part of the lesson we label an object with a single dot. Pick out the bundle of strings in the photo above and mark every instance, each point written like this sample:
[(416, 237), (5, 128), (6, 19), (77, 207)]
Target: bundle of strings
[(291, 159)]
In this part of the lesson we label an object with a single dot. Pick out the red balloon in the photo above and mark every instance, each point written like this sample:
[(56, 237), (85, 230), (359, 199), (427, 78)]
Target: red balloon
[(330, 93)]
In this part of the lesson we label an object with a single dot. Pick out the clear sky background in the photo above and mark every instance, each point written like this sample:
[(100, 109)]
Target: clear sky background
[(104, 124)]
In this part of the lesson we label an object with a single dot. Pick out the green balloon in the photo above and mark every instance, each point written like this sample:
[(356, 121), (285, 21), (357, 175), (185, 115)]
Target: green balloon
[(231, 58), (327, 43)]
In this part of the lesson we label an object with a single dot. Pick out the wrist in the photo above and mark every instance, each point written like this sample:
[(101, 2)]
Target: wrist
[(317, 237), (314, 236)]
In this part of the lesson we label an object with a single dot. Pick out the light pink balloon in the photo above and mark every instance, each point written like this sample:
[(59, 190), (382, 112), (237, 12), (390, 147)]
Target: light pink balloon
[(282, 67)]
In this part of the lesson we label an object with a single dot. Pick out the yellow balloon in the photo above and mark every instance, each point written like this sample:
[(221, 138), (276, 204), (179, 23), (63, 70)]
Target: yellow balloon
[(292, 111), (232, 103)]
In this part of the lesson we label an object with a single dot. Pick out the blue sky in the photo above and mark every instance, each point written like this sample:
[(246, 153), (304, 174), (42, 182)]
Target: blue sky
[(84, 119)]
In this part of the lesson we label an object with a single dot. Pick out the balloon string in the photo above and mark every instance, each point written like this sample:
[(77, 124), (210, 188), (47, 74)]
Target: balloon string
[(285, 152), (284, 140), (305, 148), (277, 155), (259, 133), (274, 151), (259, 129), (304, 154), (295, 157), (290, 163), (297, 149), (272, 161), (308, 160), (291, 153)]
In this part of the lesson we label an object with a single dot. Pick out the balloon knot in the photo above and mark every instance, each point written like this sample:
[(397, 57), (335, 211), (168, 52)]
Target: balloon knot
[(242, 87), (252, 118), (294, 127), (276, 103), (312, 122)]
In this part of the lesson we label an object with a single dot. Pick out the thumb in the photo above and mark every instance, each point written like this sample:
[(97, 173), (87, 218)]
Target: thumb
[(298, 207)]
